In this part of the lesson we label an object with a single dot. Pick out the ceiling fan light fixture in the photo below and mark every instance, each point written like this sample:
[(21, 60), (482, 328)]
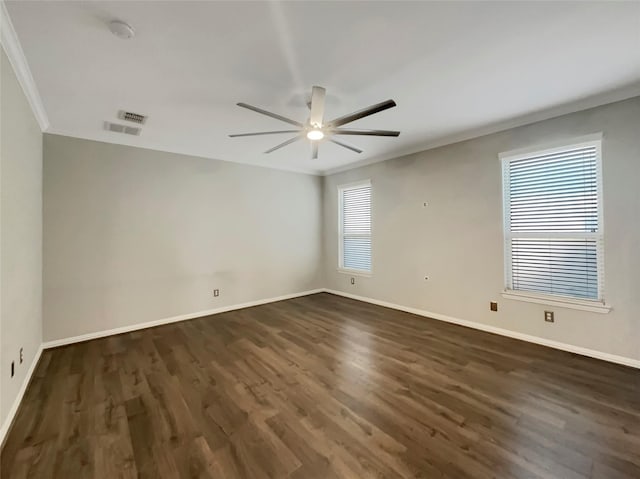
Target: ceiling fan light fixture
[(315, 134), (316, 129)]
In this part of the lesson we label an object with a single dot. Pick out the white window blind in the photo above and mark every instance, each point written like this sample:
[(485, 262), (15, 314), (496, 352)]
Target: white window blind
[(553, 221), (355, 227)]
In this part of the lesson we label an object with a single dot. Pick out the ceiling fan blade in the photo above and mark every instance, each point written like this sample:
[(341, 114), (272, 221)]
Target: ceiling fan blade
[(366, 132), (314, 150), (385, 105), (263, 133), (285, 143), (345, 145), (268, 113), (317, 106)]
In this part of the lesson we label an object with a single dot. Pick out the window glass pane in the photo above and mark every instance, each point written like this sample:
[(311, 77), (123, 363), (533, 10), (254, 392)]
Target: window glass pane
[(357, 252), (557, 266), (555, 192), (356, 212), (356, 228), (553, 235)]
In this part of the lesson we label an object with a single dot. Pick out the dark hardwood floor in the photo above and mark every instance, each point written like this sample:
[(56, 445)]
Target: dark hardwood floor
[(323, 387)]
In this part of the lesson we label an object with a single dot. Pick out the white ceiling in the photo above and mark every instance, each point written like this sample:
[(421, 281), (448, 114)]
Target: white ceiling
[(454, 69)]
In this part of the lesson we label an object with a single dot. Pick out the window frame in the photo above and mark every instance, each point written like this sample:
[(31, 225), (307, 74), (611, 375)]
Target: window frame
[(594, 305), (341, 188)]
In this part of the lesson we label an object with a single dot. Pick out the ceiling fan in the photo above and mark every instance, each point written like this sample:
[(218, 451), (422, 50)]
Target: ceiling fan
[(316, 129)]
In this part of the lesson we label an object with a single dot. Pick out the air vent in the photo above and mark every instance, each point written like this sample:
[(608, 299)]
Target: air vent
[(128, 130), (134, 117)]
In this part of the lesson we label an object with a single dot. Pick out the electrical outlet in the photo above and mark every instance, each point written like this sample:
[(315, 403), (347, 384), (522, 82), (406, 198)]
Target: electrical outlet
[(493, 306), (216, 293), (21, 355), (353, 281), (548, 316), (13, 368)]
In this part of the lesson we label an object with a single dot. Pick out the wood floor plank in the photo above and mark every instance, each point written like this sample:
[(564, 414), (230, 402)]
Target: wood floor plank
[(323, 387)]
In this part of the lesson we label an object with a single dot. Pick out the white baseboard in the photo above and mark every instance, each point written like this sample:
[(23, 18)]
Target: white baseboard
[(159, 322), (634, 363), (6, 426)]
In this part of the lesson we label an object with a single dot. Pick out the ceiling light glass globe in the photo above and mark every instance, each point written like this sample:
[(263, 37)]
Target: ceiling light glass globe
[(315, 135)]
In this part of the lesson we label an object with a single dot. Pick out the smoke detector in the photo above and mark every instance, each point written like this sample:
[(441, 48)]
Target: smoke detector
[(122, 30)]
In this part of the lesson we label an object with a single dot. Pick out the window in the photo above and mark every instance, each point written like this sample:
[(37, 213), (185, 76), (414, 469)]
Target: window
[(355, 227), (553, 222)]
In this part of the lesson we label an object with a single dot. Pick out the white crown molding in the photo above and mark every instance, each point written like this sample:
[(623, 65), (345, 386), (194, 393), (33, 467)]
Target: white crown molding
[(135, 142), (12, 47), (613, 96), (18, 61)]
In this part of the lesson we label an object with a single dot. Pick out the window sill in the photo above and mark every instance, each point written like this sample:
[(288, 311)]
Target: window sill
[(355, 272), (583, 305)]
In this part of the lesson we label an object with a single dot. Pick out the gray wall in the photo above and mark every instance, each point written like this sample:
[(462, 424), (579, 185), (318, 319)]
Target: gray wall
[(458, 239), (20, 236), (134, 235)]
